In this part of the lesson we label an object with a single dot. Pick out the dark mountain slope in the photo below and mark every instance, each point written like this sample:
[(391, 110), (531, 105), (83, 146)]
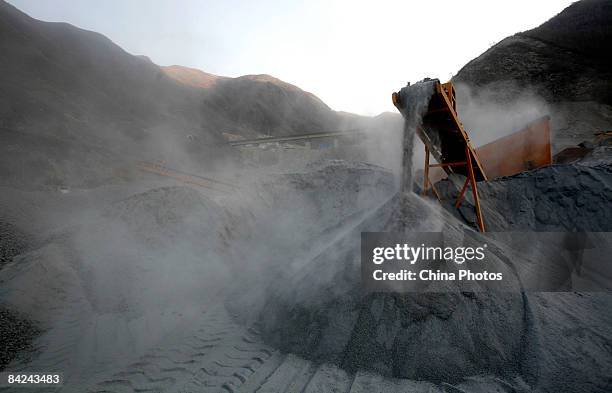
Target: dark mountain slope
[(270, 103), (565, 61), (53, 68), (191, 76), (265, 104), (75, 106), (584, 27)]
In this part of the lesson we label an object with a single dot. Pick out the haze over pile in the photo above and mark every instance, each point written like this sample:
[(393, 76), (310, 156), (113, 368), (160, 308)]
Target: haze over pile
[(350, 54)]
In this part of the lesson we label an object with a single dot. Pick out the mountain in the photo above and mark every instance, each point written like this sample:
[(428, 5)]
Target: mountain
[(75, 106), (274, 106), (191, 76), (77, 109), (565, 61), (262, 103)]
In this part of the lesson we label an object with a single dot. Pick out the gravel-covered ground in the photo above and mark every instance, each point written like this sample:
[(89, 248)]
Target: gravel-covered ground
[(12, 242), (558, 198), (255, 289), (16, 335), (16, 332)]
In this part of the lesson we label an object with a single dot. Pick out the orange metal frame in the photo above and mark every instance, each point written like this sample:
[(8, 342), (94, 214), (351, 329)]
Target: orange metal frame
[(452, 148), (470, 180), (524, 150), (447, 92)]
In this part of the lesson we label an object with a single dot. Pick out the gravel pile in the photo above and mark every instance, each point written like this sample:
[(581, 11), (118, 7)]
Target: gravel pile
[(573, 197), (16, 335), (12, 242), (322, 313)]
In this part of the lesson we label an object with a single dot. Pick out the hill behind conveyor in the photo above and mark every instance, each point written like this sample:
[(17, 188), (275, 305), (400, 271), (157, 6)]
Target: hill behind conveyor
[(565, 61)]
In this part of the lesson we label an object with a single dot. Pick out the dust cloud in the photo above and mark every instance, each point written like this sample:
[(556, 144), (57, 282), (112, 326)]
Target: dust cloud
[(487, 117), (120, 269)]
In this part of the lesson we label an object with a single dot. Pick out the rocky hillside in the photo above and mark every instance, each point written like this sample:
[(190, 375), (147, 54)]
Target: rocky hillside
[(563, 61), (273, 107), (263, 104), (192, 76), (72, 96)]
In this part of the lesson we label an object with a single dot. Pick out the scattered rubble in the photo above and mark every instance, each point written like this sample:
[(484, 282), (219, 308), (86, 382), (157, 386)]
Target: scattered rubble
[(16, 335)]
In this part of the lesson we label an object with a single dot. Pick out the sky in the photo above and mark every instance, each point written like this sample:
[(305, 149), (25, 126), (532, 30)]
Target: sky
[(352, 54)]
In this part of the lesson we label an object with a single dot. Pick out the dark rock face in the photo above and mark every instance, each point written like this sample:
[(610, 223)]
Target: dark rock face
[(563, 59), (563, 62), (525, 62), (583, 27)]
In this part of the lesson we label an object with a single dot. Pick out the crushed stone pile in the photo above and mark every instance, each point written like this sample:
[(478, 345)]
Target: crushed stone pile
[(13, 241), (167, 215), (118, 261), (573, 197), (16, 335), (330, 186), (320, 311)]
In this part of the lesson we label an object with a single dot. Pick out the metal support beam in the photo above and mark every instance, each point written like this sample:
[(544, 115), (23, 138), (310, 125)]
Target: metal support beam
[(426, 171), (462, 193), (426, 182), (461, 163), (472, 178)]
